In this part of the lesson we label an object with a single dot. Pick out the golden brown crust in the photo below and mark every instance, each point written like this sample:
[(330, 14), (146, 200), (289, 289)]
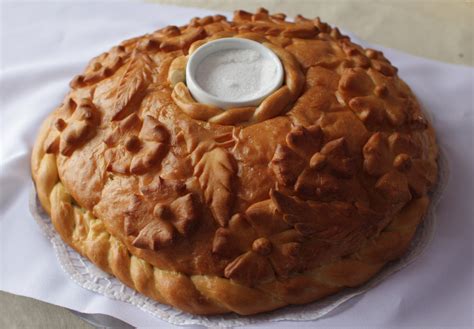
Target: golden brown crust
[(244, 210)]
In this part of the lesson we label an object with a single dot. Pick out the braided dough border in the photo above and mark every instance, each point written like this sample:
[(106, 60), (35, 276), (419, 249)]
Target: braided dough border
[(202, 294), (275, 104)]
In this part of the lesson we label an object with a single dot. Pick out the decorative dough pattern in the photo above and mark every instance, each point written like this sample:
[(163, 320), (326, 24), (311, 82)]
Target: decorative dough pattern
[(248, 209)]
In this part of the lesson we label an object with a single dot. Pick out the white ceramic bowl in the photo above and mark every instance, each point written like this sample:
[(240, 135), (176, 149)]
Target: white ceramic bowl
[(211, 47)]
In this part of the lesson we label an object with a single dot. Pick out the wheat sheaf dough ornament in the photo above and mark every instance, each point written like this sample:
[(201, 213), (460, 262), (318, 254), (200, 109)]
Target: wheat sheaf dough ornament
[(241, 210)]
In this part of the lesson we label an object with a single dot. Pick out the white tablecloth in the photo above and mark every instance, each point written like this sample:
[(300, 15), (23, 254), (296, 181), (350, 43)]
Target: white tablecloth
[(44, 45)]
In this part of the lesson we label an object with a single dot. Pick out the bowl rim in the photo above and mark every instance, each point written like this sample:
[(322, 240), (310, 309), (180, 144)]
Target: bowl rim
[(202, 96)]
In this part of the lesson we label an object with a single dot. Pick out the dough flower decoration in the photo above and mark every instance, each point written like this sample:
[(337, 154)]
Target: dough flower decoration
[(168, 221), (135, 147), (256, 251), (379, 99), (283, 235), (312, 167), (76, 125), (398, 164)]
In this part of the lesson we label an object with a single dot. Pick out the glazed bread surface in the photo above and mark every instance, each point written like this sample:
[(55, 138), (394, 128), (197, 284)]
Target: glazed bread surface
[(239, 210)]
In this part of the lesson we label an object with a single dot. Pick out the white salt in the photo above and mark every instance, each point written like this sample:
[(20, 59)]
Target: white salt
[(235, 74)]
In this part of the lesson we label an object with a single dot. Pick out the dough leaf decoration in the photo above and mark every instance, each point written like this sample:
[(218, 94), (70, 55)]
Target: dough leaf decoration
[(134, 81), (216, 170)]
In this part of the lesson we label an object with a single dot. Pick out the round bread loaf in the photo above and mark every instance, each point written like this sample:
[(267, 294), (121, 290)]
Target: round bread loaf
[(240, 210)]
